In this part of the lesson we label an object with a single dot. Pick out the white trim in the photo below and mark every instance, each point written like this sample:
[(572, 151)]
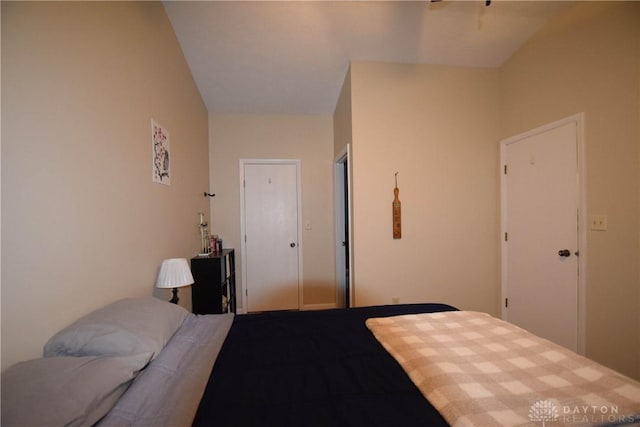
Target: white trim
[(579, 120), (582, 234), (243, 249)]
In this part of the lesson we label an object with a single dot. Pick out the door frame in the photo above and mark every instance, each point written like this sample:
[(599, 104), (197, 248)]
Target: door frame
[(243, 249), (581, 189), (343, 159)]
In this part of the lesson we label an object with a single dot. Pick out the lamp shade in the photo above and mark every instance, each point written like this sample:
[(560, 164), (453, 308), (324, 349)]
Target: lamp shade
[(174, 273)]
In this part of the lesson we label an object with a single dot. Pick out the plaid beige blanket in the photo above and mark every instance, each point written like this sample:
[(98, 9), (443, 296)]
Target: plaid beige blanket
[(477, 370)]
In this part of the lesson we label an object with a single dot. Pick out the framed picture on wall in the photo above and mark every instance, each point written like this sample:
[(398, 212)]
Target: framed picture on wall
[(160, 154)]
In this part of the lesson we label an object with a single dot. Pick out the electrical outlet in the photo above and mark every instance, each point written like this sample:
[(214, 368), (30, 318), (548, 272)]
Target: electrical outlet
[(599, 222), (307, 224)]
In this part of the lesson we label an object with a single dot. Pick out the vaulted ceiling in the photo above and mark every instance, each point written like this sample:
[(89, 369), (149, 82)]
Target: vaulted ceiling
[(291, 57)]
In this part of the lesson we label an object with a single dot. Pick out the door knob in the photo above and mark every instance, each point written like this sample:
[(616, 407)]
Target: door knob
[(564, 253), (293, 245)]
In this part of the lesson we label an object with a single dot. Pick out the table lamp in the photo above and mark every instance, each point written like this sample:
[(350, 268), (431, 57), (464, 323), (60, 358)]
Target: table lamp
[(174, 273)]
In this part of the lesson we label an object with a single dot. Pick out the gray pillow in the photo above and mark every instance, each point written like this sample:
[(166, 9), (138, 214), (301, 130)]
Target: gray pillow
[(66, 391), (128, 326)]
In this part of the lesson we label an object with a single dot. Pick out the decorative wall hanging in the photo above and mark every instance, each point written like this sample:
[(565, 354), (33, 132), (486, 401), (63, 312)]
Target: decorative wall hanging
[(397, 212), (160, 154)]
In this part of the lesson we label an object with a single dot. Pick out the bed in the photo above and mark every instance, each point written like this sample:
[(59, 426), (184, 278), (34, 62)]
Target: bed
[(144, 362)]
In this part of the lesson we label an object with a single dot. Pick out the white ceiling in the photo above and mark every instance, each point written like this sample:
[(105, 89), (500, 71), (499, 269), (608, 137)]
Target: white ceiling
[(291, 57)]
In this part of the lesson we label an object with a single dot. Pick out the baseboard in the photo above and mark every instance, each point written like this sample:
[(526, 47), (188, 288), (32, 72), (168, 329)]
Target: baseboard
[(306, 307)]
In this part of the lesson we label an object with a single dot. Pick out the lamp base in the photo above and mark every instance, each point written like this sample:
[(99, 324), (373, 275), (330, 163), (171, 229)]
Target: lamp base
[(175, 298)]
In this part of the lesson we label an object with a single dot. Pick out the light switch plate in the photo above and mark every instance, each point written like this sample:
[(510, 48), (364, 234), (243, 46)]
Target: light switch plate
[(599, 222)]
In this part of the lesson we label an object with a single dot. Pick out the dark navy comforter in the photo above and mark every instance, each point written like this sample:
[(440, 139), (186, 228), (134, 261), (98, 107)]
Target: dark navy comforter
[(313, 368)]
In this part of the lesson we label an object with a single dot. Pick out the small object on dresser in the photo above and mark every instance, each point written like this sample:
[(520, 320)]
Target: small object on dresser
[(213, 244), (204, 236)]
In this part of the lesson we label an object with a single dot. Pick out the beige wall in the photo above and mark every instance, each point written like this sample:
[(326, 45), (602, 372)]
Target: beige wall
[(342, 132), (308, 138), (588, 60), (437, 127), (82, 223)]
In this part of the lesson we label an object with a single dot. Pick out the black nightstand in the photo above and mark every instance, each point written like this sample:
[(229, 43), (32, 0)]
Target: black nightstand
[(214, 290)]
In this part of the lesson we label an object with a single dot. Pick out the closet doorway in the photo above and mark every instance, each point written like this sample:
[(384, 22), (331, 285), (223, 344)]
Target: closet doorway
[(343, 232)]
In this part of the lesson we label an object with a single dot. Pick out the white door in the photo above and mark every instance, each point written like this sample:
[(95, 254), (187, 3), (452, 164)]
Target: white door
[(541, 232), (271, 229)]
